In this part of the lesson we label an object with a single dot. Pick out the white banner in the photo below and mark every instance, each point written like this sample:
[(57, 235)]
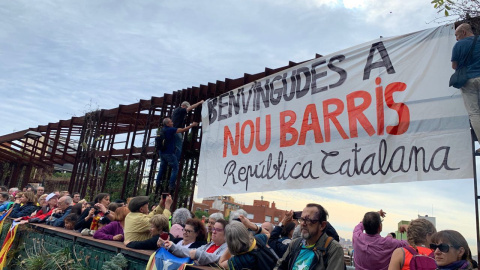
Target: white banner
[(380, 112)]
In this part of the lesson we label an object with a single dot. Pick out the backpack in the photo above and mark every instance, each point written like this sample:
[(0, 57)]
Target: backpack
[(160, 141), (265, 256), (421, 262)]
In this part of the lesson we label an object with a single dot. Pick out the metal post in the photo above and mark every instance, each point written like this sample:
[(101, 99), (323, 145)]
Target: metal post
[(476, 195)]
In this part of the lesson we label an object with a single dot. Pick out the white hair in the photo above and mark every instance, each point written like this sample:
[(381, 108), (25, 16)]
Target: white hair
[(236, 214), (180, 216), (216, 216)]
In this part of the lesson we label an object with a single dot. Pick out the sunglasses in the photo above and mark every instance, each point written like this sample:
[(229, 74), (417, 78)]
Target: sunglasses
[(442, 247), (188, 231), (307, 221)]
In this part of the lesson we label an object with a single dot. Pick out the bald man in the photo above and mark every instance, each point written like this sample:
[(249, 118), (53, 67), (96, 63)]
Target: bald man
[(470, 91)]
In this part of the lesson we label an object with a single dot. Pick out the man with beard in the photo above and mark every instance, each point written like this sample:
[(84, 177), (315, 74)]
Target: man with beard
[(315, 249)]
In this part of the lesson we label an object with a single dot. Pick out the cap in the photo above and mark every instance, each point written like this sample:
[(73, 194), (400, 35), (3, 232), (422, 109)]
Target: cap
[(51, 195), (136, 203)]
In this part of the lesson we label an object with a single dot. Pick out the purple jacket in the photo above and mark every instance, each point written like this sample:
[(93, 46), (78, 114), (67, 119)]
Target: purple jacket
[(108, 231), (373, 251)]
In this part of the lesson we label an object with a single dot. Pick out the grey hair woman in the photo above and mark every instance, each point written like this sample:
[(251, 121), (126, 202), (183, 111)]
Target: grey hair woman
[(238, 238), (180, 216), (241, 243), (235, 215)]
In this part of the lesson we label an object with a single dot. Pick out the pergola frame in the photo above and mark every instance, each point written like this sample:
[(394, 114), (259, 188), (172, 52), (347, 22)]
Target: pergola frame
[(123, 133)]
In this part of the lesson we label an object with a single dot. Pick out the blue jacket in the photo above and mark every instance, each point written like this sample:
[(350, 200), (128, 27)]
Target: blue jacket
[(59, 221), (24, 210), (5, 206)]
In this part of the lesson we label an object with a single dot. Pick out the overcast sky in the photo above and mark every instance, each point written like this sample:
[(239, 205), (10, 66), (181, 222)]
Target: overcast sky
[(62, 58)]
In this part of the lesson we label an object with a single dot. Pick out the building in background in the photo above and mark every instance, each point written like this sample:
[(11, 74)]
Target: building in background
[(261, 211), (433, 220), (403, 236)]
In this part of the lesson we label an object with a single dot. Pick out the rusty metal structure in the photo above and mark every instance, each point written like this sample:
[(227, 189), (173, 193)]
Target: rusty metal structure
[(123, 134)]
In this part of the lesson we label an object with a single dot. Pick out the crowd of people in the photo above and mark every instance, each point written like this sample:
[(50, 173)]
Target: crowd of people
[(303, 241)]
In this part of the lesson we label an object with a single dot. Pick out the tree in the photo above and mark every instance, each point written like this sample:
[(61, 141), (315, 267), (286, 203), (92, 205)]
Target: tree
[(199, 214), (464, 9), (116, 176)]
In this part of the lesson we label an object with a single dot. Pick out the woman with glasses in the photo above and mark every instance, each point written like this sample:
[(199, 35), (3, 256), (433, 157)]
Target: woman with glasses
[(179, 217), (194, 235), (25, 205), (211, 223), (451, 250), (206, 254), (419, 234)]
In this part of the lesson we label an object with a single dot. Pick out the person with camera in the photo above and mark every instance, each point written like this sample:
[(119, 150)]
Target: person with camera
[(95, 216), (159, 229), (114, 230), (137, 222), (315, 249)]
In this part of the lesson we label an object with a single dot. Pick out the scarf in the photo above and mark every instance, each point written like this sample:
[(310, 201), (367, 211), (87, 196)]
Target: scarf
[(462, 264), (252, 246), (96, 219)]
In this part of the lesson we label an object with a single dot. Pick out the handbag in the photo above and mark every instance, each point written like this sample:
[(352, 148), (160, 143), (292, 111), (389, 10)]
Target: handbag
[(459, 78)]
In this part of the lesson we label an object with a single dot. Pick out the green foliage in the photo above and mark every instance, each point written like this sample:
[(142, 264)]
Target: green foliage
[(199, 214), (115, 178), (5, 171), (60, 259), (464, 9), (118, 262), (442, 5), (65, 175)]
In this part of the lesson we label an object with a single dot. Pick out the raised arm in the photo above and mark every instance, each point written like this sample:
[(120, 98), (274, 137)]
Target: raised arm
[(194, 105), (181, 130), (254, 227)]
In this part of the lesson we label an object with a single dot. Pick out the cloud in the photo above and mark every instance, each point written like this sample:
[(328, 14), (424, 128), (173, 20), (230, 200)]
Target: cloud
[(447, 200), (120, 52), (61, 59)]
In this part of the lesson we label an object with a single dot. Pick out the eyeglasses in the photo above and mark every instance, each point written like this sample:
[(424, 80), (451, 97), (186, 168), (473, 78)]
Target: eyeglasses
[(188, 231), (217, 229), (442, 247), (307, 220)]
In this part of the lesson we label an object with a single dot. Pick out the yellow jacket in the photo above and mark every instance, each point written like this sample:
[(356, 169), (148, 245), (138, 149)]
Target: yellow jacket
[(137, 225)]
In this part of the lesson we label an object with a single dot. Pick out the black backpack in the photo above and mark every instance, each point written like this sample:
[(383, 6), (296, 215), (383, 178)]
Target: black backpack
[(160, 141), (266, 259)]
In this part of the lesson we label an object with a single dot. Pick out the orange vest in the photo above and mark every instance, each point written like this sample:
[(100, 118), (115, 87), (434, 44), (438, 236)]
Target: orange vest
[(408, 256)]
